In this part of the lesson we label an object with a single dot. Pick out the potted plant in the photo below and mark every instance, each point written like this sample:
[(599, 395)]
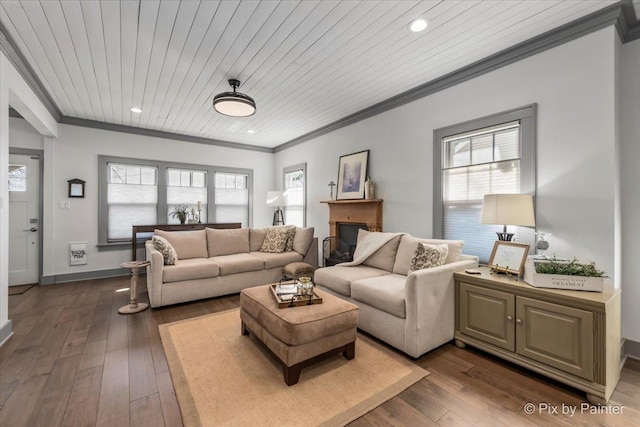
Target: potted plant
[(181, 212), (563, 274)]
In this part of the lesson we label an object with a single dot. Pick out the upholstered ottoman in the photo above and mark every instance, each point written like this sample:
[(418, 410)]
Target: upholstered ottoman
[(299, 336), (295, 270)]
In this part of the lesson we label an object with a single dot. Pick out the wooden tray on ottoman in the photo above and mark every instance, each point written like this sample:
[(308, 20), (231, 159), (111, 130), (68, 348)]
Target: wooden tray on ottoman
[(296, 301)]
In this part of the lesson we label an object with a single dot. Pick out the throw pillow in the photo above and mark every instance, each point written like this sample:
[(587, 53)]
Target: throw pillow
[(290, 236), (428, 256), (276, 240), (164, 247)]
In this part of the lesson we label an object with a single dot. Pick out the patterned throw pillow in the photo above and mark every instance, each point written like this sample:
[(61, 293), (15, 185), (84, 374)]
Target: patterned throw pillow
[(428, 256), (276, 240), (292, 233), (168, 252)]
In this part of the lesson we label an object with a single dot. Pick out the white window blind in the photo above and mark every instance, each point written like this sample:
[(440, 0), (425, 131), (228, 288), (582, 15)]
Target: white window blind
[(186, 187), (132, 198), (476, 163), (231, 198), (294, 185)]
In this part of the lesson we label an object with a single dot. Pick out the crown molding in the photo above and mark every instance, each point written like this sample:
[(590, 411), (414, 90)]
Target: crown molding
[(13, 54), (74, 121), (621, 15), (617, 14)]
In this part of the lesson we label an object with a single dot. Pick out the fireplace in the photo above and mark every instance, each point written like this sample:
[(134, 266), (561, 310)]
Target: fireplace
[(346, 217)]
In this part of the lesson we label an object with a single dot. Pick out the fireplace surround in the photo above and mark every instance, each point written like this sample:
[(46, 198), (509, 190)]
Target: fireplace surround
[(345, 218)]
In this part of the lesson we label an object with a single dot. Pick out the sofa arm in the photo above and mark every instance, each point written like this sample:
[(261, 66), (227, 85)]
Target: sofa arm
[(429, 300), (154, 274)]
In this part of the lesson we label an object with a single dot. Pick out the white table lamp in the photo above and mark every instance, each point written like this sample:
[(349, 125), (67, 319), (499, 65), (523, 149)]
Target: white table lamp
[(507, 209), (277, 199)]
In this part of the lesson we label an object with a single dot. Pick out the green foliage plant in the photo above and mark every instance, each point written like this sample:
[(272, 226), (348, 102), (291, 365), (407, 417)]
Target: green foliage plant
[(181, 212), (573, 268)]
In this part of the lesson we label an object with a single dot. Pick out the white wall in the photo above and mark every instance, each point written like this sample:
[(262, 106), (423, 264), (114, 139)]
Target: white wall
[(23, 135), (630, 159), (574, 87), (74, 154)]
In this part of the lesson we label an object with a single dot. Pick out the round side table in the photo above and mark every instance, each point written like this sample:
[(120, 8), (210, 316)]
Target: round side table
[(134, 306)]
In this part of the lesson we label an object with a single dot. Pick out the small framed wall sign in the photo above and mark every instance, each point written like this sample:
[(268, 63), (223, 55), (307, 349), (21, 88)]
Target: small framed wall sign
[(76, 187), (77, 253), (508, 257)]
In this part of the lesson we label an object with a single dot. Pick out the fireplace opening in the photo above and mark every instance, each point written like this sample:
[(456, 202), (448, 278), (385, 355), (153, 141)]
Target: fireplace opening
[(340, 248)]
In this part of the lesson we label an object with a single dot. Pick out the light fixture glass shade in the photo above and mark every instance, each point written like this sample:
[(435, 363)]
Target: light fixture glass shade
[(277, 198), (234, 104), (508, 209)]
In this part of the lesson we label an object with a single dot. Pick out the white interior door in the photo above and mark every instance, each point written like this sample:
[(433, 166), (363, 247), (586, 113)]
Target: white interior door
[(24, 221)]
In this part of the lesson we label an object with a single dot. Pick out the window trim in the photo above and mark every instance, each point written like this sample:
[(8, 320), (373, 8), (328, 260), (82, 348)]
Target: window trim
[(293, 168), (527, 116), (103, 175)]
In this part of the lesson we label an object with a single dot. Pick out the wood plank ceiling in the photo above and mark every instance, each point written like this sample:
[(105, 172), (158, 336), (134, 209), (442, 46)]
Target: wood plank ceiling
[(306, 63)]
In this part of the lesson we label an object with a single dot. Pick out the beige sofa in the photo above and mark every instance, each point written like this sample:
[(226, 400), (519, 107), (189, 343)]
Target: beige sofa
[(413, 312), (220, 262)]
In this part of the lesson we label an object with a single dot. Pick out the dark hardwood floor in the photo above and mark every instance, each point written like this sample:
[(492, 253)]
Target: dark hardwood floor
[(74, 361)]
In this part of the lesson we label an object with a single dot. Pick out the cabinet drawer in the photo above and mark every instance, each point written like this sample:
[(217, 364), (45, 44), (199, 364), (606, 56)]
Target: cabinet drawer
[(557, 335), (487, 314)]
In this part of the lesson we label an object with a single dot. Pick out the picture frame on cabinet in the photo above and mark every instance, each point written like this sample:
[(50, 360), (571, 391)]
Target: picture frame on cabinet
[(508, 257)]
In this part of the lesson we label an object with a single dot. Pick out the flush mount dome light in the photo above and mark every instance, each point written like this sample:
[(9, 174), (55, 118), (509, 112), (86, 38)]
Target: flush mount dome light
[(234, 104)]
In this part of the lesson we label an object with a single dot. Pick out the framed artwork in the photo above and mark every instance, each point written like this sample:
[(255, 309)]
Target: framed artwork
[(508, 257), (352, 173)]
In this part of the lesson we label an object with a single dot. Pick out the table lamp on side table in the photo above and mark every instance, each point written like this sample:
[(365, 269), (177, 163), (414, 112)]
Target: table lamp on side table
[(507, 209), (277, 199)]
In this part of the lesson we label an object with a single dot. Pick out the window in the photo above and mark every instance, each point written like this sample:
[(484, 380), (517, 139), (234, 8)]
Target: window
[(132, 198), (295, 186), (17, 177), (232, 198), (187, 187), (142, 192), (484, 156)]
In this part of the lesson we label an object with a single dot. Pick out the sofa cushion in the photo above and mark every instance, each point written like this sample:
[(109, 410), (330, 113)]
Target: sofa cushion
[(256, 238), (428, 256), (237, 263), (339, 279), (290, 235), (302, 240), (164, 247), (385, 257), (274, 260), (190, 269), (385, 293), (276, 239), (188, 244), (227, 242), (408, 245)]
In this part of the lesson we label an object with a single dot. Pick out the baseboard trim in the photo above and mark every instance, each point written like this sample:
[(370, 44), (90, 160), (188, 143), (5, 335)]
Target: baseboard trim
[(6, 331), (83, 275), (632, 349)]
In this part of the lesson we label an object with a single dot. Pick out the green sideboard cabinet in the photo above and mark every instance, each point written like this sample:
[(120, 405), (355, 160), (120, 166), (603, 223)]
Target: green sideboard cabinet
[(570, 336)]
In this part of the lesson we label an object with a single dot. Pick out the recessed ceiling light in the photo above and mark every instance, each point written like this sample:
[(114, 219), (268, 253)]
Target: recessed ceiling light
[(251, 131), (135, 110), (418, 25)]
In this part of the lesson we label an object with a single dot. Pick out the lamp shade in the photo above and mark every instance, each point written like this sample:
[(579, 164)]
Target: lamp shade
[(508, 209), (234, 104), (276, 198)]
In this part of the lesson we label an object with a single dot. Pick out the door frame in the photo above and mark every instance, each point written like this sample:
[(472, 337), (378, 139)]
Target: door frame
[(40, 154)]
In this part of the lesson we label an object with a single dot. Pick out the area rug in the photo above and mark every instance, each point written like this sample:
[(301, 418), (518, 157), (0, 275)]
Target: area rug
[(19, 289), (222, 378)]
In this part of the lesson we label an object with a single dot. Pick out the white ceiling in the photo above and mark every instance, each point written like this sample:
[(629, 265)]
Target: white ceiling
[(306, 63)]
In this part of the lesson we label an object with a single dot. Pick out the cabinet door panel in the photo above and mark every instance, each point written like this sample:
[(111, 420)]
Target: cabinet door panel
[(556, 335), (487, 314)]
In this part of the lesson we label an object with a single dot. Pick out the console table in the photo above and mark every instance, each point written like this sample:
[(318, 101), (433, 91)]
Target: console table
[(570, 336), (173, 227)]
